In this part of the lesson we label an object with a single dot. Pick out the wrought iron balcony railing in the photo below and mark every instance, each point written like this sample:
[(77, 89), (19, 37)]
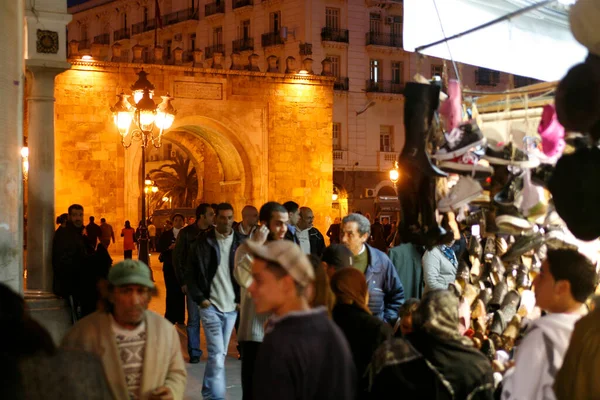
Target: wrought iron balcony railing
[(384, 39), (241, 3), (384, 86), (209, 51), (102, 39), (218, 7), (180, 16), (121, 34), (271, 39), (143, 26), (243, 44), (341, 83), (334, 35)]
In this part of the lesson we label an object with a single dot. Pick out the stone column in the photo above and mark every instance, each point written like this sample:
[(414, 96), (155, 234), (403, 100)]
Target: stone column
[(40, 209), (326, 64), (158, 54), (307, 65), (116, 52), (290, 65), (178, 56), (73, 49), (11, 120), (272, 64), (198, 58), (253, 62)]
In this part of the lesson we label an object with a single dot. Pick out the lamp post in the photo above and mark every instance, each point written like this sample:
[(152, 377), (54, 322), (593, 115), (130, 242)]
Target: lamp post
[(395, 174), (149, 188), (137, 122)]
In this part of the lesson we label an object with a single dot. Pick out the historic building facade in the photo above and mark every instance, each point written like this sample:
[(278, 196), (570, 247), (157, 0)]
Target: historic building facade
[(359, 42)]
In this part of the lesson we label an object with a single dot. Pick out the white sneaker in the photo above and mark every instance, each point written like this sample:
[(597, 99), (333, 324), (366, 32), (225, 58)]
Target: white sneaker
[(461, 194)]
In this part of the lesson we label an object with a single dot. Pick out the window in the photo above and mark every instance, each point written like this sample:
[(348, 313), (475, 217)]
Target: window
[(375, 71), (217, 35), (275, 21), (397, 72), (124, 21), (375, 23), (335, 65), (337, 136), (437, 70), (396, 28), (244, 30), (385, 138), (486, 77), (332, 18), (193, 41), (168, 45), (145, 16)]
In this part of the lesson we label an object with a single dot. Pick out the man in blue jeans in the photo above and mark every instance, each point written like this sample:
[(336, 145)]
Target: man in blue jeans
[(185, 240), (210, 283)]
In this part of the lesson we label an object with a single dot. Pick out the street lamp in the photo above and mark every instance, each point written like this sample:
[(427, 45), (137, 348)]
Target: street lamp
[(395, 174), (137, 122), (334, 195)]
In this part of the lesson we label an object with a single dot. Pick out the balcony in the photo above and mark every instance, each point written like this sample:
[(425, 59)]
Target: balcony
[(218, 7), (384, 39), (121, 34), (240, 45), (143, 26), (340, 157), (384, 87), (211, 50), (386, 159), (334, 35), (84, 44), (341, 83), (187, 14), (102, 39), (271, 39), (241, 3)]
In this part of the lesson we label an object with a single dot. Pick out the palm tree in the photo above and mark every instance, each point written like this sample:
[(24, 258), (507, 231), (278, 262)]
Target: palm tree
[(177, 180)]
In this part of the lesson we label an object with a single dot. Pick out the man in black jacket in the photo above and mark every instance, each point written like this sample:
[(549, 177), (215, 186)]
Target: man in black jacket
[(311, 240), (175, 301), (203, 224), (211, 284)]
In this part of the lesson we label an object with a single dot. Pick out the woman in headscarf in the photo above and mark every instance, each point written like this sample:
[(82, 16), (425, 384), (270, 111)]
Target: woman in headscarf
[(434, 361), (363, 331)]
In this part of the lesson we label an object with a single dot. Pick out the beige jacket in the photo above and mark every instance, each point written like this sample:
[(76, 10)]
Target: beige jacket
[(163, 361)]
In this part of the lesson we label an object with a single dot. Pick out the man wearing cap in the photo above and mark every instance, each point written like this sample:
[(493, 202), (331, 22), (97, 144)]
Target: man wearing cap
[(140, 350), (304, 355), (336, 257), (210, 282), (386, 293)]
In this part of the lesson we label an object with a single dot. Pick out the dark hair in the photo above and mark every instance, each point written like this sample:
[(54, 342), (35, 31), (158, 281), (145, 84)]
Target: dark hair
[(337, 256), (62, 218), (127, 224), (201, 210), (92, 219), (572, 266), (266, 211), (214, 206), (409, 307), (177, 215), (75, 207), (102, 219), (291, 206), (223, 207)]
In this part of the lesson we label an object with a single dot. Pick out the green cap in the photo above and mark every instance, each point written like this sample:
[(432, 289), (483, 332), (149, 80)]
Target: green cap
[(130, 272)]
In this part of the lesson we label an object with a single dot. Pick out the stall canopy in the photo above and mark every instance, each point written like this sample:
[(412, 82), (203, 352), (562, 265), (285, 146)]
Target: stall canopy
[(536, 44)]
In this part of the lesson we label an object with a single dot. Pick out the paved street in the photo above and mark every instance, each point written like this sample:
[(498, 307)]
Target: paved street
[(195, 371)]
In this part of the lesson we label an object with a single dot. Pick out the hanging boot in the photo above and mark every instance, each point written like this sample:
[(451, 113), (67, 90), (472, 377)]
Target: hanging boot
[(421, 102)]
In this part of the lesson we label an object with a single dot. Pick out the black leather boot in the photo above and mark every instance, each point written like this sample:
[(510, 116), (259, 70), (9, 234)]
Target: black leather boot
[(420, 104)]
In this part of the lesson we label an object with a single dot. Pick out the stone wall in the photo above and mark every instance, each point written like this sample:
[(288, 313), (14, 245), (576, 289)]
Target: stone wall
[(265, 137)]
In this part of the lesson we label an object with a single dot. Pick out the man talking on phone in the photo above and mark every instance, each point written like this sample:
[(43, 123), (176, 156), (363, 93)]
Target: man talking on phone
[(273, 218)]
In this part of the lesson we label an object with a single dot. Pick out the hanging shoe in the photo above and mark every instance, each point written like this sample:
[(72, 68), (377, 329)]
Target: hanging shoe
[(498, 270), (532, 199), (420, 104), (512, 222), (509, 193), (463, 271), (509, 155), (542, 174), (475, 248), (460, 195), (490, 248), (459, 141), (523, 245), (451, 109), (467, 164)]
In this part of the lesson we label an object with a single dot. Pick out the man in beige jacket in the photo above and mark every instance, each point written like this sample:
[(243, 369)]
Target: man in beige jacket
[(140, 350)]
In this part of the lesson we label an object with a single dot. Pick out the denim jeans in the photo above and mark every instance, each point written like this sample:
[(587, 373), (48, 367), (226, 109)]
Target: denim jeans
[(217, 330), (193, 328)]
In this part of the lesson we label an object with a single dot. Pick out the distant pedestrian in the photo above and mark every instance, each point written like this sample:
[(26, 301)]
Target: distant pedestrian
[(333, 233), (311, 240), (294, 216), (336, 257), (61, 220), (107, 234), (249, 221), (128, 235), (140, 350), (175, 299), (304, 355), (152, 236), (93, 232)]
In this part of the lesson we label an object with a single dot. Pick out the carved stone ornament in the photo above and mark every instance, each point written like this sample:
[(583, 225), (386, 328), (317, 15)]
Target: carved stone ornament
[(47, 42)]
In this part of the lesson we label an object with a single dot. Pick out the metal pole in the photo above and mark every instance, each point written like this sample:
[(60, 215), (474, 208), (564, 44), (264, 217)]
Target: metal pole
[(488, 24), (143, 239)]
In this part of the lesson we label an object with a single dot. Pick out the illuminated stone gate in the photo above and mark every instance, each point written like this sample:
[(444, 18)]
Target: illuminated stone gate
[(270, 134)]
